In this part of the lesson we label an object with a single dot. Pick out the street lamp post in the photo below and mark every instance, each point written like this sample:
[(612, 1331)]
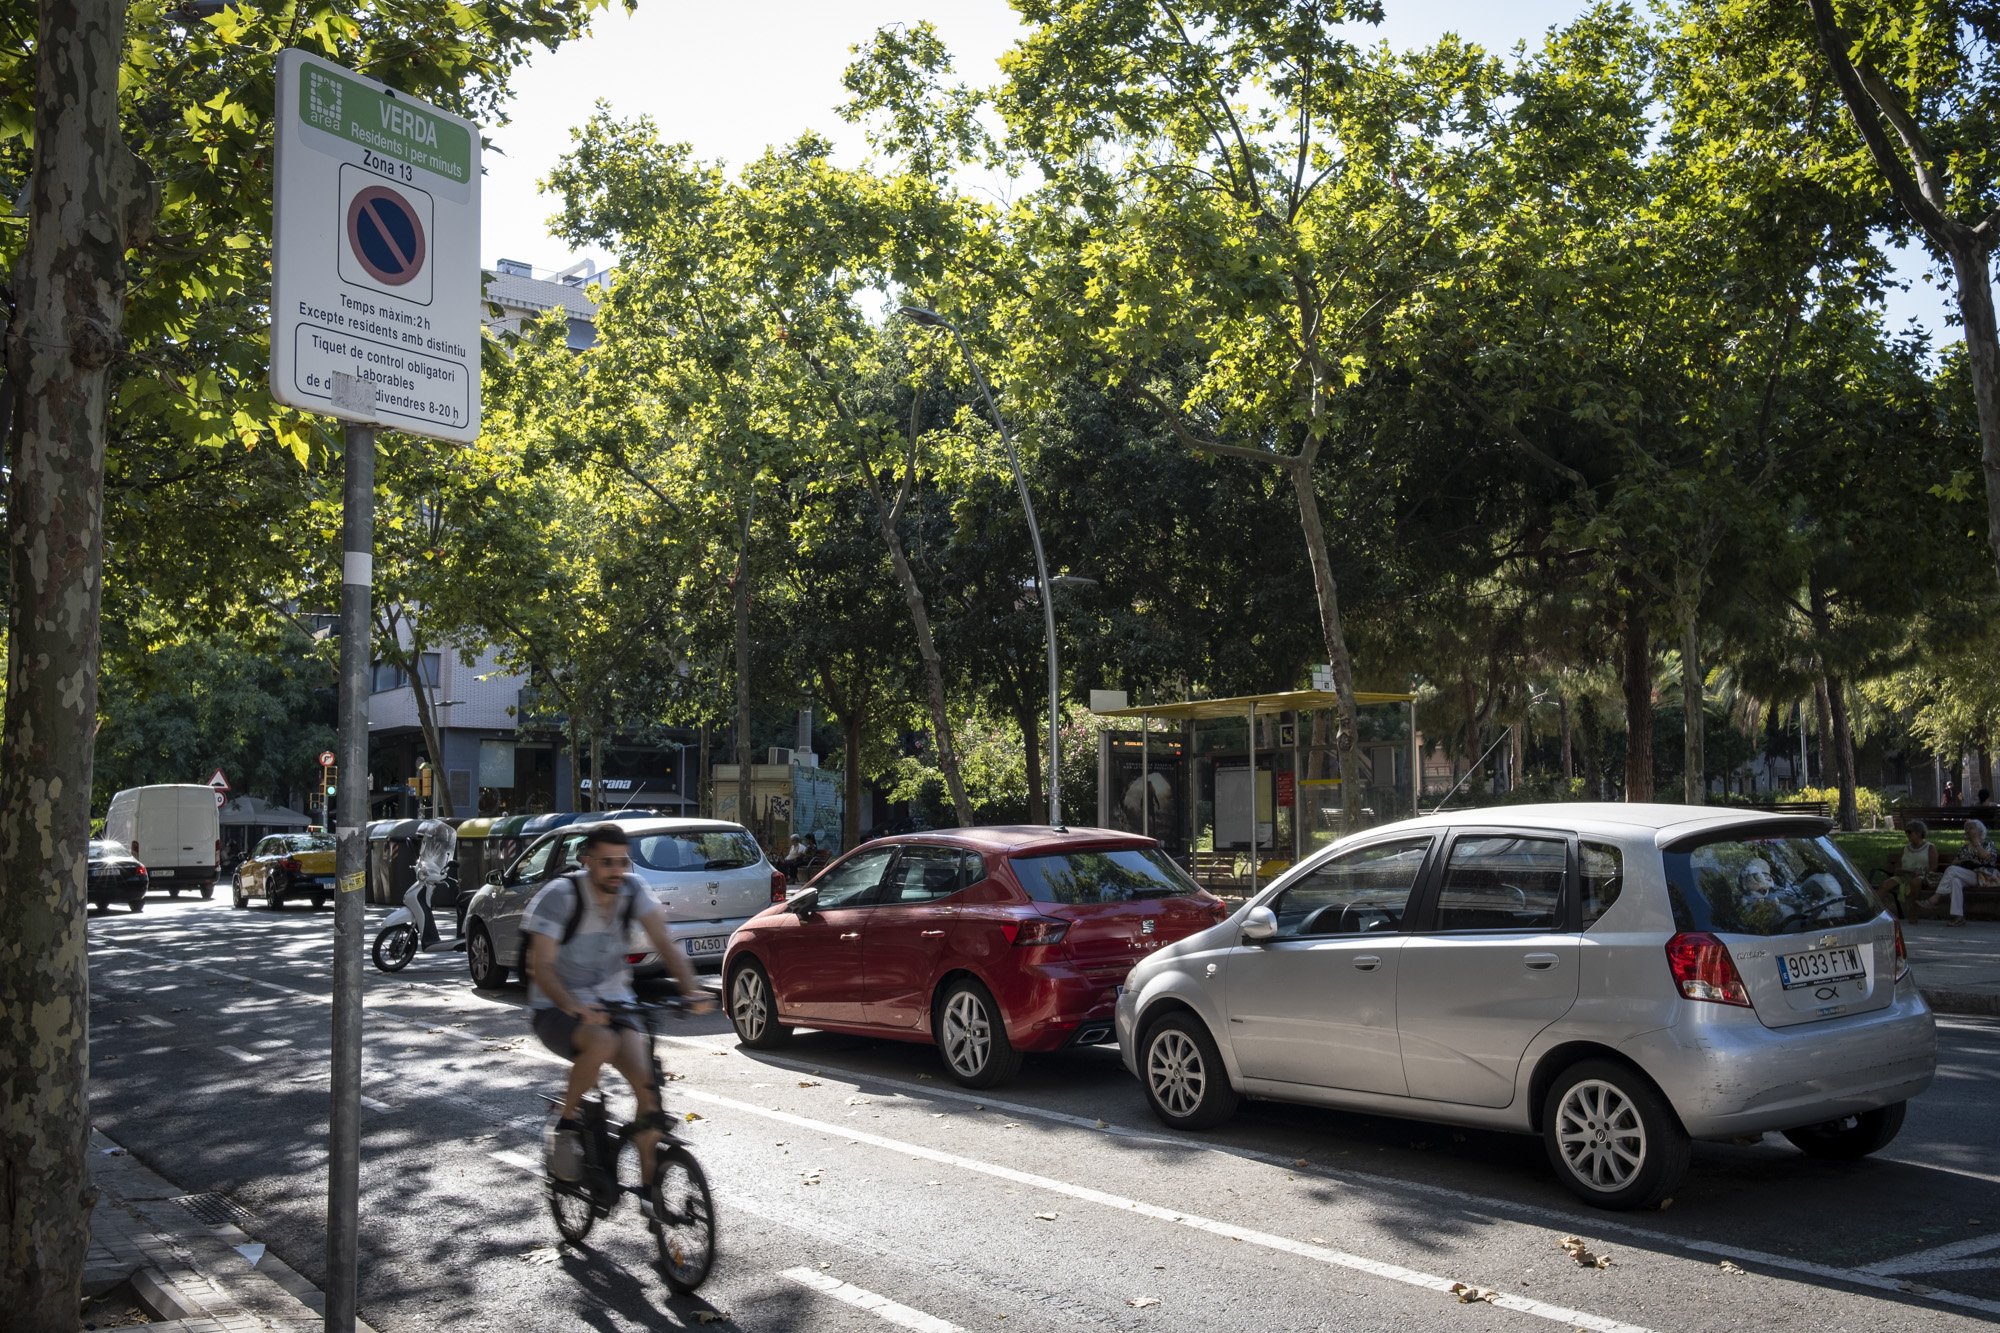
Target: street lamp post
[(932, 319)]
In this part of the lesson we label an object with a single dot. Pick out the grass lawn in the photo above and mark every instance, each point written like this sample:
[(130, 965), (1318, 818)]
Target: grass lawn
[(1870, 850)]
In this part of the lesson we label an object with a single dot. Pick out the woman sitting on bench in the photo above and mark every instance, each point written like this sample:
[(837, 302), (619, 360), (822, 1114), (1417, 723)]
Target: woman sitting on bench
[(1913, 872), (1978, 863)]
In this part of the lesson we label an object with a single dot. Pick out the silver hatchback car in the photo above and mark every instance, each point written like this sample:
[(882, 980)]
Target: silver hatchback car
[(1618, 979)]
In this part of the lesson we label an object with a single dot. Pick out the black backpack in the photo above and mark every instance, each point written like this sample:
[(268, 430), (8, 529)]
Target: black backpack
[(626, 908)]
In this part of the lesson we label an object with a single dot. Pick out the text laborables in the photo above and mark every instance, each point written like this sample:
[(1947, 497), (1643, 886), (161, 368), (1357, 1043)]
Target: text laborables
[(330, 101)]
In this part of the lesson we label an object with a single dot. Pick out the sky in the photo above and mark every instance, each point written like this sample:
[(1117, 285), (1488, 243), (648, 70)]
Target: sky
[(732, 78)]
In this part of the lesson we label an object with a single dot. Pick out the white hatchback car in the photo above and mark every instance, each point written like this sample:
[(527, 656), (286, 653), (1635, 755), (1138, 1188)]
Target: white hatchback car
[(710, 877), (1618, 979)]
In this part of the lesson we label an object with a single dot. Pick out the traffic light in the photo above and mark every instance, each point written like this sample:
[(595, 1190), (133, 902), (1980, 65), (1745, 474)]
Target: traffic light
[(332, 774)]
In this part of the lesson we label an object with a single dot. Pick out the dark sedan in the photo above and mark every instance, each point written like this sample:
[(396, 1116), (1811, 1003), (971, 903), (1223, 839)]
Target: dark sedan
[(116, 876)]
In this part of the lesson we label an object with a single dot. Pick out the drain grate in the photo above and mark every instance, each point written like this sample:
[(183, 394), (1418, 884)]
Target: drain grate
[(214, 1209)]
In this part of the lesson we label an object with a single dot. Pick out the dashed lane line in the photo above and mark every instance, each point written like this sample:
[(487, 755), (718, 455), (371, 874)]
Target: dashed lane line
[(902, 1316), (245, 1056), (1781, 1264)]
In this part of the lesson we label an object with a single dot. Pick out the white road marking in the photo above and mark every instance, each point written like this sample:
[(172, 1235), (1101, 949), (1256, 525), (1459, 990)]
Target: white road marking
[(375, 1105), (1954, 1257), (902, 1316), (1228, 1230), (1502, 1208), (152, 1021), (245, 1056)]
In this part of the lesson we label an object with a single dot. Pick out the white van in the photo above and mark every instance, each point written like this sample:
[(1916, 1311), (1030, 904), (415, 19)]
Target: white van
[(173, 830)]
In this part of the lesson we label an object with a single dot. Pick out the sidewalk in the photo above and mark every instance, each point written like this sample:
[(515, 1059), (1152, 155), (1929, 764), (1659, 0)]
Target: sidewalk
[(193, 1270), (1957, 967)]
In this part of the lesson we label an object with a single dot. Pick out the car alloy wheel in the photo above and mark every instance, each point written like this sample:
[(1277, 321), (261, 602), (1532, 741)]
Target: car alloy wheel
[(750, 1005), (1612, 1136), (482, 961), (1601, 1135), (1176, 1072), (968, 1034), (753, 1007)]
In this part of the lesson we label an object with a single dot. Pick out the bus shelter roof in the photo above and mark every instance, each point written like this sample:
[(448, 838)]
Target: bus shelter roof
[(1284, 701)]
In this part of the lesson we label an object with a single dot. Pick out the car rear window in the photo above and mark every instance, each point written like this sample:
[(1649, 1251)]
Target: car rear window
[(102, 849), (708, 849), (1113, 875), (1766, 886), (310, 842)]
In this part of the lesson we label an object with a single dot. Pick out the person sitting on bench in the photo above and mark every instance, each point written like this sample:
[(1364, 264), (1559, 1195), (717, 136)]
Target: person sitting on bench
[(1978, 863)]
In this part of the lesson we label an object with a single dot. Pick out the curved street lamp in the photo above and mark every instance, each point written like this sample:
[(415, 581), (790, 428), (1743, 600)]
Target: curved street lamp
[(917, 314)]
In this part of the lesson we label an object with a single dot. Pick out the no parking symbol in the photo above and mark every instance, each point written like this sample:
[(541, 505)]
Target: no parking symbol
[(385, 236)]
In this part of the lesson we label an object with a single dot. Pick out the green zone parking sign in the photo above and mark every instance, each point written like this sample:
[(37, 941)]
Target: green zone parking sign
[(375, 254)]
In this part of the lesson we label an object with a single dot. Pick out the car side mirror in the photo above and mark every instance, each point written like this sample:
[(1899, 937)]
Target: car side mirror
[(803, 905), (1259, 925)]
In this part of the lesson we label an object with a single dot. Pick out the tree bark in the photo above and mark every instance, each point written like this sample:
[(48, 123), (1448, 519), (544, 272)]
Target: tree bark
[(852, 725), (1823, 719), (1568, 747), (1301, 471), (740, 588), (575, 761), (1694, 713), (920, 620), (87, 202), (1843, 750), (1638, 658)]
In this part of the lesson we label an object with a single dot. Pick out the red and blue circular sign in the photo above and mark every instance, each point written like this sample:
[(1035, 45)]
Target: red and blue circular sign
[(386, 235)]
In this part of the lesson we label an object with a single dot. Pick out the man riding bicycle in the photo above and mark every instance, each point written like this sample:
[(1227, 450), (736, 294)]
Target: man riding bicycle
[(577, 929)]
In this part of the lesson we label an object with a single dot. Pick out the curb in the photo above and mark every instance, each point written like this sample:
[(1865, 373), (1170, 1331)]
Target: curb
[(1963, 1003), (185, 1271)]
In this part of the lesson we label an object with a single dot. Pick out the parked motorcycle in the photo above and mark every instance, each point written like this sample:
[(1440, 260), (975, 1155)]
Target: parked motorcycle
[(412, 928)]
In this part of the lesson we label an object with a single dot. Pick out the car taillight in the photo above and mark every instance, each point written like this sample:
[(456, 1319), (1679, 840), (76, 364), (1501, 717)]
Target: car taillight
[(1899, 937), (1704, 970), (290, 865), (634, 958), (777, 886), (1902, 953), (1034, 930)]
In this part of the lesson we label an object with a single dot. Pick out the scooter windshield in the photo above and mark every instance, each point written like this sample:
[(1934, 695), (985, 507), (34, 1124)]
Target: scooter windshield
[(437, 843)]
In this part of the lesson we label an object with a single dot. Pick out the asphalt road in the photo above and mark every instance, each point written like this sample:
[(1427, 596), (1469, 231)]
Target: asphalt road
[(858, 1189)]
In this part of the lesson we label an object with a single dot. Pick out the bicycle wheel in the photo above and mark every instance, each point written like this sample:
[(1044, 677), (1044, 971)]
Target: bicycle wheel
[(572, 1207), (683, 1219)]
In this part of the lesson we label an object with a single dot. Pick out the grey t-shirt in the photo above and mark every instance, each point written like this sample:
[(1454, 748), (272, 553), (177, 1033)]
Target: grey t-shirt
[(592, 965)]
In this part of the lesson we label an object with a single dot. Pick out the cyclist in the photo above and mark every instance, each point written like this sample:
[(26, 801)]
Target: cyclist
[(577, 928)]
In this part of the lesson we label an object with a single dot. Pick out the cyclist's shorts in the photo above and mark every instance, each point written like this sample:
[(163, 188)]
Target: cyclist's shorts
[(558, 1029)]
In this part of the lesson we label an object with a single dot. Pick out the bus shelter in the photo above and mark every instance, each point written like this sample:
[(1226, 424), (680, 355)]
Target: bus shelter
[(1236, 789)]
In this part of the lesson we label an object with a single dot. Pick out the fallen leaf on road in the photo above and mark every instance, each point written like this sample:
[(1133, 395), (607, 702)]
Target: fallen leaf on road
[(1301, 1161), (933, 1182), (937, 1115), (808, 1083), (1011, 1124), (1047, 1217), (1574, 1247), (810, 1177), (1104, 1124), (693, 1116), (1666, 1203), (1315, 1240), (1728, 1267), (710, 1316), (541, 1254), (1914, 1288), (857, 1101), (926, 1077), (1161, 1266), (1467, 1293), (1141, 1302)]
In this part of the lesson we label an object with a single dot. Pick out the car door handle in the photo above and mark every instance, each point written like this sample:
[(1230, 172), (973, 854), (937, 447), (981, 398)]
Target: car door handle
[(1540, 962), (1366, 962), (933, 934), (850, 935)]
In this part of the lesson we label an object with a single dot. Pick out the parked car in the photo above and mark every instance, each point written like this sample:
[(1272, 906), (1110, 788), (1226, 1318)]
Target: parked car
[(1618, 979), (115, 876), (708, 875), (285, 867), (174, 829), (987, 942)]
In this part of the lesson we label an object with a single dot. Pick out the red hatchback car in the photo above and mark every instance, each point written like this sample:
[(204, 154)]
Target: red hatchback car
[(987, 942)]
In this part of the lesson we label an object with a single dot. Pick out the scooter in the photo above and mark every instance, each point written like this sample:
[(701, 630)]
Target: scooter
[(412, 928)]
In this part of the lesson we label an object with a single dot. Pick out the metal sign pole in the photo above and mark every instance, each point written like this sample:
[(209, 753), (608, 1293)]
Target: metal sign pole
[(343, 1168)]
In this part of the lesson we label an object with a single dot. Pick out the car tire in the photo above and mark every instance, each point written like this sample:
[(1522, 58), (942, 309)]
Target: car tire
[(483, 960), (972, 1036), (1851, 1137), (207, 891), (273, 900), (1181, 1069), (753, 1007), (138, 905), (1612, 1138), (237, 897), (318, 901), (173, 893)]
